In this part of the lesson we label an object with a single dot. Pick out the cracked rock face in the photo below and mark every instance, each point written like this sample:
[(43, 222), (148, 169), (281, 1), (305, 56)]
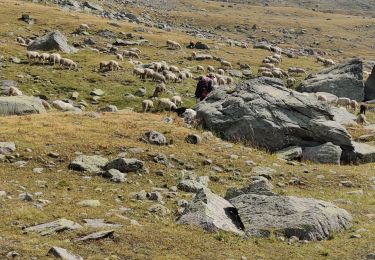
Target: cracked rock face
[(263, 213), (342, 80), (262, 112)]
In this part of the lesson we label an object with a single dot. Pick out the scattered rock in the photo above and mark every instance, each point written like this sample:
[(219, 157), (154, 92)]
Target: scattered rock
[(63, 254), (193, 139), (51, 41), (159, 209), (153, 137), (96, 236), (342, 80), (20, 105), (25, 197), (211, 212), (290, 153), (326, 153), (99, 223), (125, 165), (89, 203), (53, 227), (88, 163), (115, 176), (7, 147)]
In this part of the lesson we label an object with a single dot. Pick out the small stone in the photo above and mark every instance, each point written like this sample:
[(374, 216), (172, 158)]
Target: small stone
[(193, 139), (12, 254), (370, 256), (355, 236), (348, 184), (159, 209), (38, 170), (63, 254), (355, 192), (155, 196), (97, 235), (89, 203), (97, 92), (25, 196)]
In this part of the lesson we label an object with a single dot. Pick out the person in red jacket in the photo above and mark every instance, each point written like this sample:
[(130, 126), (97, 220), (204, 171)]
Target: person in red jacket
[(204, 87)]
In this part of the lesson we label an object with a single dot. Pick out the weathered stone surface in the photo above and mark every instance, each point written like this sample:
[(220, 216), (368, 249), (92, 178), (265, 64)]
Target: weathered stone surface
[(56, 226), (326, 153), (20, 105), (52, 41), (370, 86), (125, 165), (159, 209), (305, 218), (342, 80), (343, 117), (115, 175), (211, 212), (193, 139), (100, 223), (362, 153), (154, 137), (264, 113), (63, 254), (97, 235), (88, 163), (260, 186), (290, 153), (89, 203), (7, 147), (190, 186)]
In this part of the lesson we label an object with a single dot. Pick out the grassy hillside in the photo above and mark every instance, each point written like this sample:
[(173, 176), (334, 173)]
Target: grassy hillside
[(109, 134), (157, 238)]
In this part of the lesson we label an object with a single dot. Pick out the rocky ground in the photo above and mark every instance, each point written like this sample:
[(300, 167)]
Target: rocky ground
[(104, 181)]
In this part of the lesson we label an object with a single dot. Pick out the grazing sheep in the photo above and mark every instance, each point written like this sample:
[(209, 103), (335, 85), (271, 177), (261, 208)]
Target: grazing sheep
[(103, 65), (210, 69), (177, 100), (173, 45), (166, 104), (120, 57), (225, 63), (113, 65), (344, 102), (68, 63), (290, 82), (322, 98), (361, 119), (44, 57), (130, 54), (136, 50), (54, 58), (329, 62), (138, 71), (13, 91), (229, 80), (220, 72), (84, 26), (277, 73), (320, 59), (268, 65), (45, 104), (261, 69), (244, 45), (147, 105), (148, 73), (200, 68), (296, 70), (266, 74), (32, 56), (277, 56), (174, 69), (160, 88), (158, 77), (221, 81), (354, 105)]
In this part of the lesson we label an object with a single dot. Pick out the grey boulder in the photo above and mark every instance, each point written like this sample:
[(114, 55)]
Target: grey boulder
[(54, 41), (263, 214), (59, 225), (327, 153), (342, 80), (153, 137), (211, 213), (362, 153), (20, 105), (88, 163), (370, 86), (63, 254), (262, 112), (7, 147), (290, 153), (125, 165)]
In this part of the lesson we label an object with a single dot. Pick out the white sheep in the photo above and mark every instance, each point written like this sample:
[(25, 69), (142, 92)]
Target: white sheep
[(13, 91), (220, 72), (147, 105), (54, 58), (177, 100), (160, 88), (61, 105), (210, 69), (173, 45), (32, 56), (138, 72), (296, 70), (120, 57), (158, 77), (200, 68), (225, 63), (361, 119), (21, 40), (344, 102), (329, 62), (136, 50), (354, 105), (166, 104), (113, 65), (68, 63), (44, 57), (174, 69)]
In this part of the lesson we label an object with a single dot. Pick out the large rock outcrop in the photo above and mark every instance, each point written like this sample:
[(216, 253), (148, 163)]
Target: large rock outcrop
[(370, 86), (342, 80), (54, 41), (264, 113), (211, 212), (265, 213), (20, 105)]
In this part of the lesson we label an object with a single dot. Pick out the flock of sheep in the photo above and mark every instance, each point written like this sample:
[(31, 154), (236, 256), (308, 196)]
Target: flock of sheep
[(53, 59)]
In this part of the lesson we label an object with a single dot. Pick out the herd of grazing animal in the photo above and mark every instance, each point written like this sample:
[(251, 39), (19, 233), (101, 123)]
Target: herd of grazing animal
[(53, 59), (162, 73)]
